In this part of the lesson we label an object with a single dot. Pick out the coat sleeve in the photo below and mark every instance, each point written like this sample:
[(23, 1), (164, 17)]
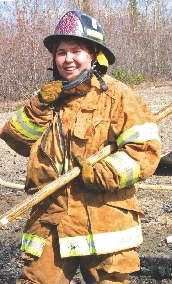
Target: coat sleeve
[(26, 126), (135, 131)]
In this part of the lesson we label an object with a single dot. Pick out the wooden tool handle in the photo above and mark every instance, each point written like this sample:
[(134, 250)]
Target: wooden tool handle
[(163, 112)]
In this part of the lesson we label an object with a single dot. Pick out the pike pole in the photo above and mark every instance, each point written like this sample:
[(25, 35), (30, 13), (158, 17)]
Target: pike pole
[(64, 179)]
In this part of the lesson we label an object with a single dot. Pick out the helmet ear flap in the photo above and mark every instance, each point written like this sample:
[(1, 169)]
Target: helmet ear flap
[(102, 63), (102, 60), (101, 69)]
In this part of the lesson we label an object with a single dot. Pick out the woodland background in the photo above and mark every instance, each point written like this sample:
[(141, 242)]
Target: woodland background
[(139, 32)]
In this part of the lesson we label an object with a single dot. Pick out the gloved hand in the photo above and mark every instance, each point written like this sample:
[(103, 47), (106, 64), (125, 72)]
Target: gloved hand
[(50, 92), (89, 175)]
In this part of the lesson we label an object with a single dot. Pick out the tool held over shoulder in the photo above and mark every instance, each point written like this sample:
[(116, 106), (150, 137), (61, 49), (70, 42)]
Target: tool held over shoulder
[(64, 179)]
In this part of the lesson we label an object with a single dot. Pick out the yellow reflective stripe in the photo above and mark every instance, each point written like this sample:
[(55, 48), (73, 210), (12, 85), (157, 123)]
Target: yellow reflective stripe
[(25, 126), (59, 166), (33, 244), (29, 123), (94, 34), (128, 169), (101, 243), (139, 134)]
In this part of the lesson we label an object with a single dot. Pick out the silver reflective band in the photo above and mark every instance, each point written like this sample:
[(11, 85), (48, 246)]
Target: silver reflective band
[(101, 243), (33, 244), (139, 134)]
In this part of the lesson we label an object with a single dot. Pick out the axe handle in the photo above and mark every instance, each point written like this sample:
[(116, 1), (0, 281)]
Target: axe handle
[(64, 179)]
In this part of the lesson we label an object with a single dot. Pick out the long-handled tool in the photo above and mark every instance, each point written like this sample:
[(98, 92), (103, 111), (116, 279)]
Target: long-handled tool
[(11, 184), (153, 186), (64, 179)]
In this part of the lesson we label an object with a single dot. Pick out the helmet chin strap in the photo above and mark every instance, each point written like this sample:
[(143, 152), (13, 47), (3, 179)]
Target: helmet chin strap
[(84, 76), (102, 82)]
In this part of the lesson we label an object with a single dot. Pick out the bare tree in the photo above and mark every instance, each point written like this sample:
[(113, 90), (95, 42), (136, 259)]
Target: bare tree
[(139, 34)]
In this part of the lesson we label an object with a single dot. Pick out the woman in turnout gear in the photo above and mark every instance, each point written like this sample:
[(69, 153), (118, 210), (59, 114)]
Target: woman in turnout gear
[(93, 221)]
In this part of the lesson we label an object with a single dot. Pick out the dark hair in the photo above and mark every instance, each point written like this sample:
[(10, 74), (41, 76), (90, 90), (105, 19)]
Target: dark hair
[(91, 46)]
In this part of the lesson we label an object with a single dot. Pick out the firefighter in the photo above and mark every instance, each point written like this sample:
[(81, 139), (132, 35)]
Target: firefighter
[(94, 221)]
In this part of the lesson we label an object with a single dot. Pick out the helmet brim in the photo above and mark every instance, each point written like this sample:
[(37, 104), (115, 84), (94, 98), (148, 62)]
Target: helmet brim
[(51, 39)]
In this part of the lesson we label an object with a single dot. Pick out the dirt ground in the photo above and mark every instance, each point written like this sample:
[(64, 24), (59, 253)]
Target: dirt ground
[(155, 252)]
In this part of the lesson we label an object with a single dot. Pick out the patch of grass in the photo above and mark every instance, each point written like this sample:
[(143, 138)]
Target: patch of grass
[(127, 77)]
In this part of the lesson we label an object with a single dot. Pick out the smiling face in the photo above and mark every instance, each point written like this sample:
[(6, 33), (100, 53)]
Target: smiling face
[(71, 58)]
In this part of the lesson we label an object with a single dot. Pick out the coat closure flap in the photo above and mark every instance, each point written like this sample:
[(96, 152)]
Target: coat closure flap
[(52, 142)]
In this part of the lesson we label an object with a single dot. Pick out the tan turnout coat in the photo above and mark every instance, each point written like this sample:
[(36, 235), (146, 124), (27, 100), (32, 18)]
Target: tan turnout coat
[(89, 123)]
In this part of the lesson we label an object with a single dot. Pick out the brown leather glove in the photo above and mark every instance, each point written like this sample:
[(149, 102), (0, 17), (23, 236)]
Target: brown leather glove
[(50, 92), (89, 175)]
